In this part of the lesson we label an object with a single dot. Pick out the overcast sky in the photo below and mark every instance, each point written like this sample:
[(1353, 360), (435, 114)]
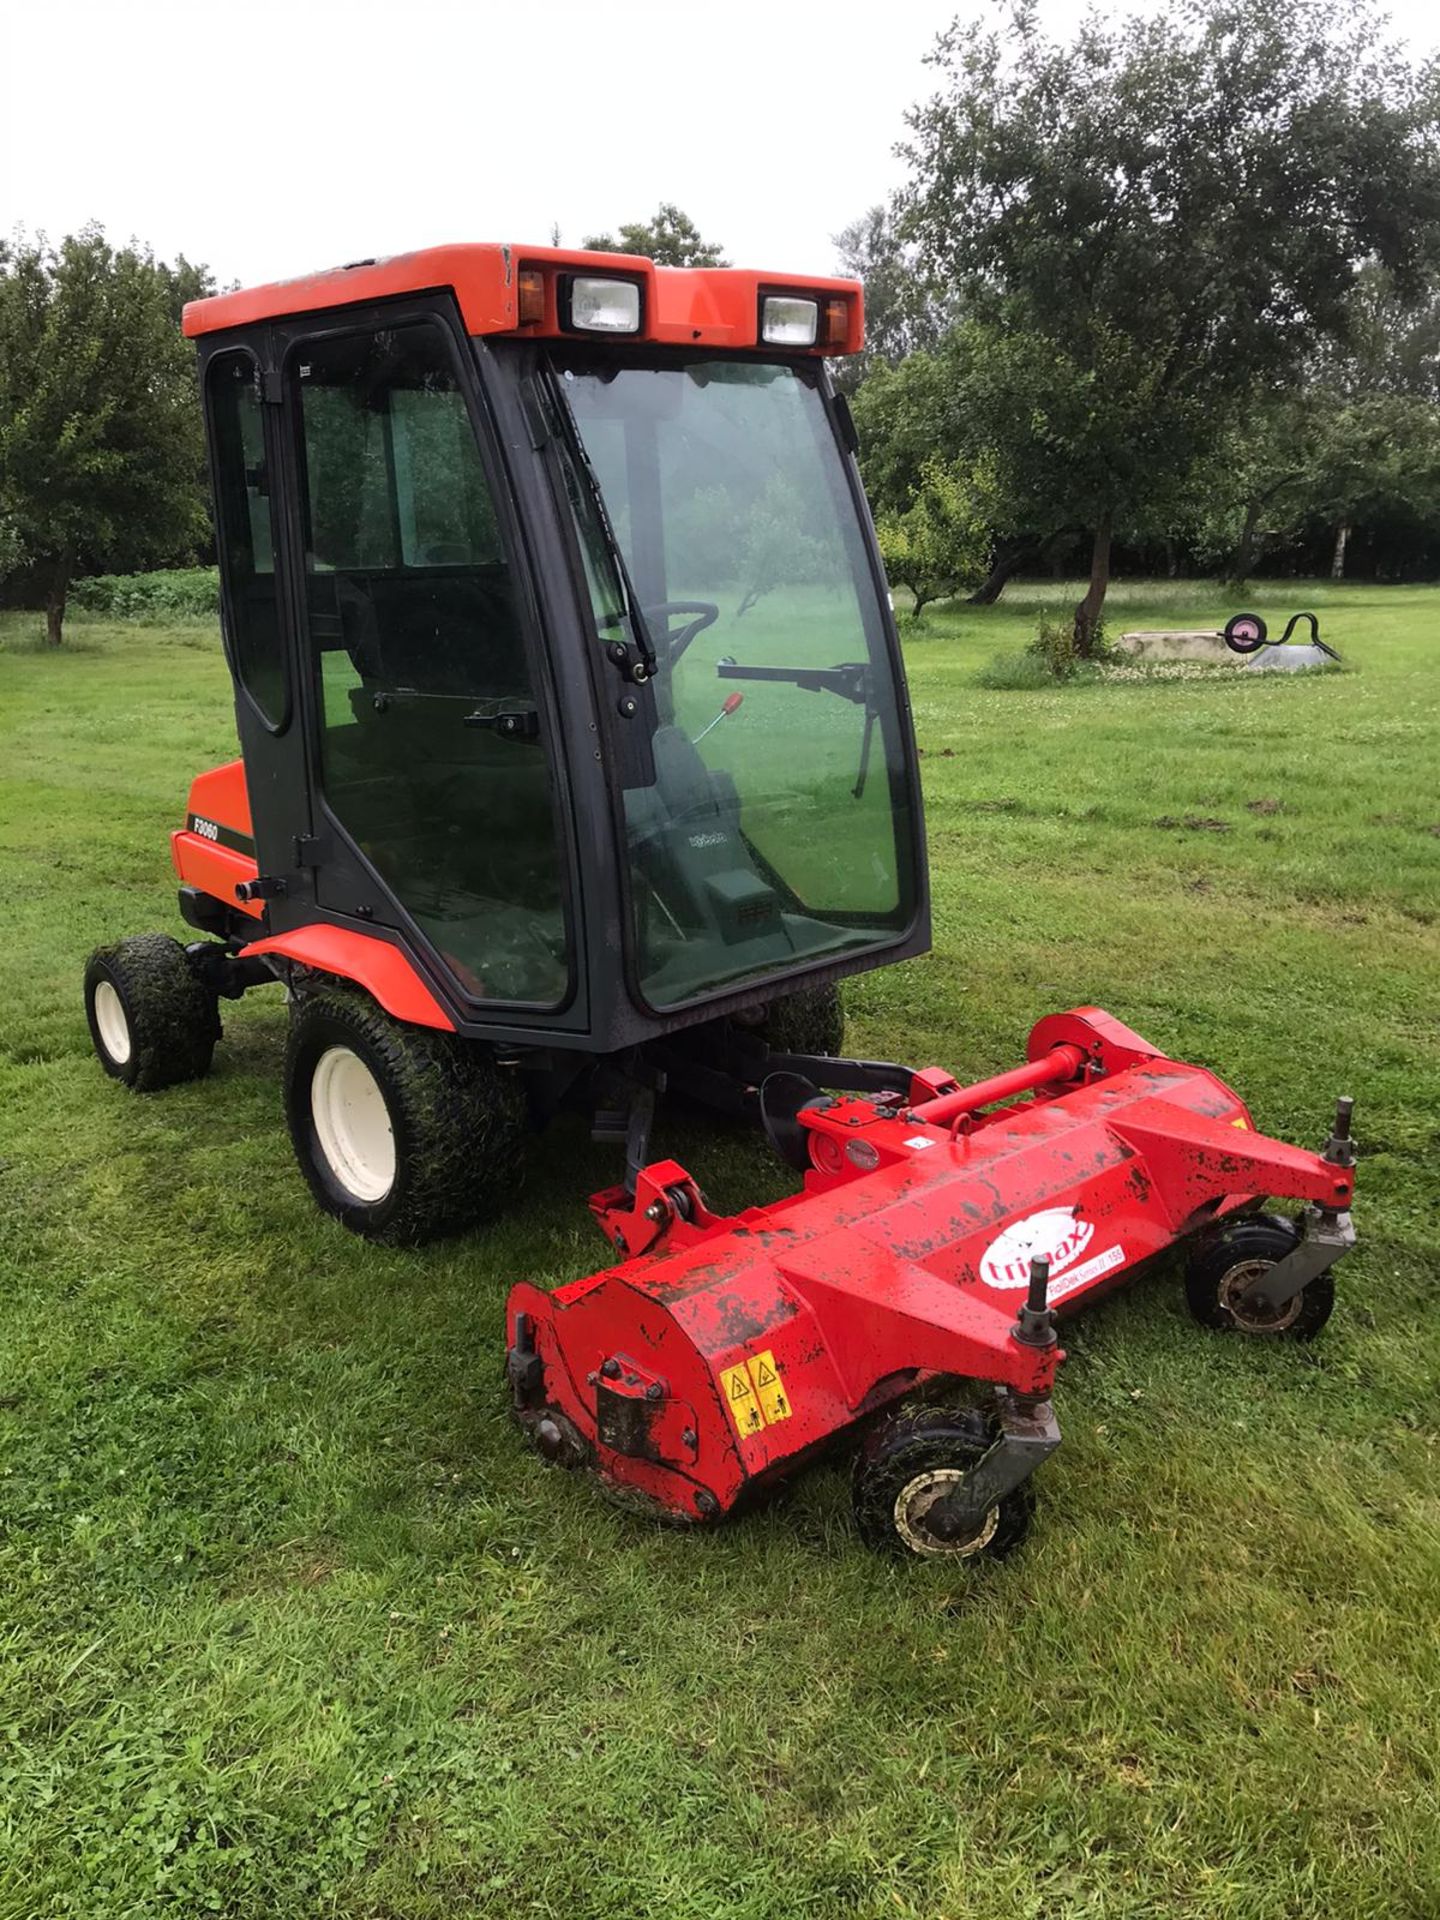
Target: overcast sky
[(270, 139)]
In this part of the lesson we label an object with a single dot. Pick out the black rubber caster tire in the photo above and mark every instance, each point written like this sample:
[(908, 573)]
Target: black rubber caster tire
[(913, 1453), (1245, 633), (1221, 1266), (810, 1020), (153, 1021), (443, 1150)]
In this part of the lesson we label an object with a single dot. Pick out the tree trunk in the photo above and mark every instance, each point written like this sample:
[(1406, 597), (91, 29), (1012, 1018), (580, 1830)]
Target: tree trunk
[(1087, 614), (1245, 551), (1337, 563), (1172, 560), (1003, 569), (55, 600), (1007, 565)]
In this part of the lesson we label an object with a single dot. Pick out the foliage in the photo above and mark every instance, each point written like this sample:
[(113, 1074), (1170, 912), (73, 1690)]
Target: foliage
[(939, 543), (670, 238), (179, 593), (1159, 220), (1375, 457), (12, 547), (293, 1624), (775, 547), (904, 313), (1054, 647), (1323, 458), (100, 436)]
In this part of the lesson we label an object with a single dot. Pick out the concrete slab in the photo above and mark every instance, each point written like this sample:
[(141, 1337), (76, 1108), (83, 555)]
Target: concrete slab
[(1203, 644)]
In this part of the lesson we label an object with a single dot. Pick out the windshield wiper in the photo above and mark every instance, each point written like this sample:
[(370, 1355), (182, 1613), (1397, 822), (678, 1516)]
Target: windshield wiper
[(850, 680), (574, 444)]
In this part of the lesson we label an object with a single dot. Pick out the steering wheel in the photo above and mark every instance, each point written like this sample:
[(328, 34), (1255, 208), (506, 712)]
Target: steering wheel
[(704, 613)]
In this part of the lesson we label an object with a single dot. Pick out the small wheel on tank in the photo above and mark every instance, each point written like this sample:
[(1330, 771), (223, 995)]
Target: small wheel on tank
[(912, 1458), (1222, 1268), (1245, 633), (403, 1133), (153, 1021)]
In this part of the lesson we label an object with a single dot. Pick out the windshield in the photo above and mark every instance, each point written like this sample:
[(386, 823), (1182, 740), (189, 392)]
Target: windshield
[(770, 822)]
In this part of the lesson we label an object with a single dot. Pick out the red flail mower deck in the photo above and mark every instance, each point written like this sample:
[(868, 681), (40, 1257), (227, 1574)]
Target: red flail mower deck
[(937, 1237)]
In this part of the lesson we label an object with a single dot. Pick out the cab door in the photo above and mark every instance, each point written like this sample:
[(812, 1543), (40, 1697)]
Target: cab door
[(238, 385), (436, 809)]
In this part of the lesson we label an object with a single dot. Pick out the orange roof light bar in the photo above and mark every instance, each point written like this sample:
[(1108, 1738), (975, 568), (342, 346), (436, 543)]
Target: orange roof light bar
[(506, 289)]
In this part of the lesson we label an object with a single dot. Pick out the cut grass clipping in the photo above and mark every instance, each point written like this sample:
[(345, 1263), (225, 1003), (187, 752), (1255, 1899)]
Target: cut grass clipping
[(290, 1622)]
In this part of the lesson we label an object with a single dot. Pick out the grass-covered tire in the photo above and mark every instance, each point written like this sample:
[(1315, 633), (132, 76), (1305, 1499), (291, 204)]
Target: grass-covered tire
[(153, 1021), (403, 1133), (1221, 1267), (909, 1458), (810, 1020)]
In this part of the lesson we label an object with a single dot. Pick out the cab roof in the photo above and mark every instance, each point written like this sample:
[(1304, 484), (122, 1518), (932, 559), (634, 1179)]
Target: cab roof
[(680, 306)]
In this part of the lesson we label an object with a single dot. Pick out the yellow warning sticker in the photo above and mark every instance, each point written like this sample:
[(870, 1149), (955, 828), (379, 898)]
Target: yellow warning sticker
[(755, 1394), (1240, 1121), (739, 1394), (769, 1388)]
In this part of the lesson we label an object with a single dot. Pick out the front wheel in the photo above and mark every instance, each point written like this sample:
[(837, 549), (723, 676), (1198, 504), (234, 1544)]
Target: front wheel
[(910, 1460), (1221, 1270), (403, 1133), (153, 1021)]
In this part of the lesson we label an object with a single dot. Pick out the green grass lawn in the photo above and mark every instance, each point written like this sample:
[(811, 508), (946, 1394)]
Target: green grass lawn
[(290, 1622)]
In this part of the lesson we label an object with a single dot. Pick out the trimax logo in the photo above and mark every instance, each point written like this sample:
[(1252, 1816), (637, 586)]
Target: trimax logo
[(708, 839), (1057, 1235)]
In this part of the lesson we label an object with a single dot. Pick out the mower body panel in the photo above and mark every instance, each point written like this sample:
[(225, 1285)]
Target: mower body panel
[(907, 1255)]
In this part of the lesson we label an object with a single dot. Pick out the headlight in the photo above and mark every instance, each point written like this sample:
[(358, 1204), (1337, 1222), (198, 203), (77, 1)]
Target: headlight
[(605, 306), (788, 322)]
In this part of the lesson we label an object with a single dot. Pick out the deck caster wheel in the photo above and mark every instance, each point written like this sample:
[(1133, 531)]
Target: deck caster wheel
[(1222, 1268), (908, 1461), (403, 1133), (153, 1021)]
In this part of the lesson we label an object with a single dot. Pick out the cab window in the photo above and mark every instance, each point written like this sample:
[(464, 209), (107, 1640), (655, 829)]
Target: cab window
[(246, 536), (430, 742)]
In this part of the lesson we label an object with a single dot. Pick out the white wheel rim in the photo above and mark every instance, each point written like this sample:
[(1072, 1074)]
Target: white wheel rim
[(111, 1023), (352, 1125)]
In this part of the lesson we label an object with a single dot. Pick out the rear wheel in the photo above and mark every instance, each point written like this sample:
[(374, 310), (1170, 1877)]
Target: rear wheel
[(403, 1133), (153, 1021), (1221, 1269), (910, 1460)]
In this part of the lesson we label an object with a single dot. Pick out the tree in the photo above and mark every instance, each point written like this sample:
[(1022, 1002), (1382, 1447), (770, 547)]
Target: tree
[(983, 400), (904, 313), (1372, 460), (940, 542), (1166, 217), (101, 451), (671, 239)]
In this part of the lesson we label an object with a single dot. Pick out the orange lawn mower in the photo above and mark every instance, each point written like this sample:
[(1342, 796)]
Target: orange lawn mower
[(577, 765)]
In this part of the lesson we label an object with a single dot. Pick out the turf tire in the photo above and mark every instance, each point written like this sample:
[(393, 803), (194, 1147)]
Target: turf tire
[(906, 1446), (1253, 1245), (458, 1121), (153, 1021)]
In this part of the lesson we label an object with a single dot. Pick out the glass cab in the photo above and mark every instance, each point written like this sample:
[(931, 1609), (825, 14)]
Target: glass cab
[(592, 769), (768, 820)]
